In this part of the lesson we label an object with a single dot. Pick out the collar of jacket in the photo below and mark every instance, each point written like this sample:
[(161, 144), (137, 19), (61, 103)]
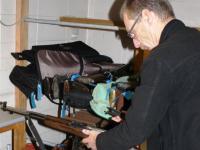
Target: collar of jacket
[(172, 27)]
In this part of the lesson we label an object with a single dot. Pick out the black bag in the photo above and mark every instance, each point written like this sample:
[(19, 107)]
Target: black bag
[(27, 80), (46, 61), (76, 95)]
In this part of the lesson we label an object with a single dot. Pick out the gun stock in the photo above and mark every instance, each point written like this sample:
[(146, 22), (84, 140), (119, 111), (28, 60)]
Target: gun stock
[(63, 125)]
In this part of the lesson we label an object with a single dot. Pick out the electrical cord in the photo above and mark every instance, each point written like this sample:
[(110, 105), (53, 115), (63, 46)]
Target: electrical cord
[(9, 25)]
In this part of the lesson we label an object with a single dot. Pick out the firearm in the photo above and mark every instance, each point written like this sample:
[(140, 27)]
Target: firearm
[(119, 71), (68, 125)]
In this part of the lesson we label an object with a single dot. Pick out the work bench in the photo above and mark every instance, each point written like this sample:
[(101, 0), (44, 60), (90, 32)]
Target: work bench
[(14, 123)]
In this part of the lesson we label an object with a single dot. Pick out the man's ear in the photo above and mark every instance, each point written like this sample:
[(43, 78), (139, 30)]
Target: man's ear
[(147, 16)]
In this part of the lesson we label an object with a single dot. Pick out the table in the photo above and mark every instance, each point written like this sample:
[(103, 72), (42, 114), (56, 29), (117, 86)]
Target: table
[(16, 123)]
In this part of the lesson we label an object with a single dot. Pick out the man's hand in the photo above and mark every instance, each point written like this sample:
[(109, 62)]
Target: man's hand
[(117, 119), (90, 141)]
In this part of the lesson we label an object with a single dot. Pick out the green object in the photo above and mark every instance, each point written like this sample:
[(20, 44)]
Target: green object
[(103, 97), (100, 100)]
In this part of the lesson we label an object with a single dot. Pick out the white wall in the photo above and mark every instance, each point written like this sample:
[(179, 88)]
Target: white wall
[(7, 45), (112, 45), (107, 43), (46, 9), (188, 11)]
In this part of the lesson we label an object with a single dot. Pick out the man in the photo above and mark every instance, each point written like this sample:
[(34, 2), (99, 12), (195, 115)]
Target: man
[(165, 108)]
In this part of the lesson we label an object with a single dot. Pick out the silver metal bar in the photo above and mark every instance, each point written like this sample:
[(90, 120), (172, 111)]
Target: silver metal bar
[(72, 24)]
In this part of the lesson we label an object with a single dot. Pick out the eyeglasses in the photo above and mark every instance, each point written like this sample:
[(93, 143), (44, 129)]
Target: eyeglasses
[(129, 33)]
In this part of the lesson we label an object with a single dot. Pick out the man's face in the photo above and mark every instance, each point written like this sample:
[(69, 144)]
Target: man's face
[(140, 32)]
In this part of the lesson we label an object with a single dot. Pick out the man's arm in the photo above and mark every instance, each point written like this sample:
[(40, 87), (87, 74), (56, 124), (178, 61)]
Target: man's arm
[(150, 103)]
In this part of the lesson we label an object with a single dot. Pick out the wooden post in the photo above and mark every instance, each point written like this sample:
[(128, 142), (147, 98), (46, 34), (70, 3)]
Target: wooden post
[(18, 137), (139, 56), (21, 44)]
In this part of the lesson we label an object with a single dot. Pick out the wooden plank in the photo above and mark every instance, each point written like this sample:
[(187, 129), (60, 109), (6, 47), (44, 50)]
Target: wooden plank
[(6, 128), (92, 21), (18, 136), (21, 44)]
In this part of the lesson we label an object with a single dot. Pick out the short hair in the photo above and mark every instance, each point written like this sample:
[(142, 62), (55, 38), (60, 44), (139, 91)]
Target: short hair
[(162, 8)]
